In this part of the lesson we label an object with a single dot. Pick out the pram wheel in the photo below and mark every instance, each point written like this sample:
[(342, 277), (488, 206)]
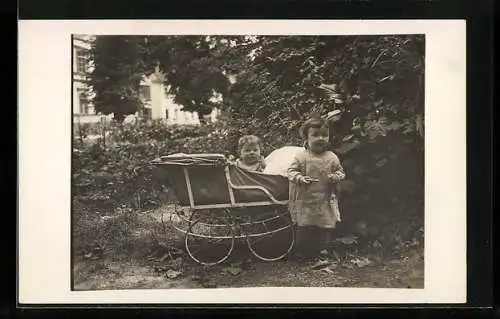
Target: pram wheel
[(210, 239), (272, 236)]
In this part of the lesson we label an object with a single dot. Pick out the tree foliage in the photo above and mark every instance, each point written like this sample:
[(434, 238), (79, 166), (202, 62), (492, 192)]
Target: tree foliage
[(197, 69), (280, 79), (193, 71), (117, 73), (372, 80)]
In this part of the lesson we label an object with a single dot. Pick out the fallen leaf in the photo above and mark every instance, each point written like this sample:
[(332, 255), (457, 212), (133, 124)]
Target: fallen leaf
[(361, 262), (233, 270), (348, 240), (327, 270), (324, 252), (320, 264), (164, 257), (196, 278), (172, 274)]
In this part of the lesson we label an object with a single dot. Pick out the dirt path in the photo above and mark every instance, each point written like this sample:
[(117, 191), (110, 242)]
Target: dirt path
[(405, 271)]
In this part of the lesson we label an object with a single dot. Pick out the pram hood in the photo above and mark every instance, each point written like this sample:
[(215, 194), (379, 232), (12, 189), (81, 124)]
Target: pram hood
[(280, 159), (191, 159)]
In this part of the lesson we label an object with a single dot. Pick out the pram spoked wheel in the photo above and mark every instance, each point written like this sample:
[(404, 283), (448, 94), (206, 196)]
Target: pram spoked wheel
[(210, 238), (272, 236)]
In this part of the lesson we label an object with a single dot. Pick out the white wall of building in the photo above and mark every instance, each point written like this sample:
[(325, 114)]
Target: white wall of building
[(162, 105)]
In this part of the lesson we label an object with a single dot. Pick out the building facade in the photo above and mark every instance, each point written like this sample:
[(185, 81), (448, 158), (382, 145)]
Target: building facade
[(83, 110), (158, 105)]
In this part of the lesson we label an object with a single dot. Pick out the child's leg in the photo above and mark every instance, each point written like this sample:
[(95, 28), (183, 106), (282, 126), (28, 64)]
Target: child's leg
[(326, 236), (304, 240), (322, 238), (310, 241), (299, 238)]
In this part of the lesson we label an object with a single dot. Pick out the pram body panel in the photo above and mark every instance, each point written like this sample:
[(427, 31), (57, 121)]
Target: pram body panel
[(203, 181)]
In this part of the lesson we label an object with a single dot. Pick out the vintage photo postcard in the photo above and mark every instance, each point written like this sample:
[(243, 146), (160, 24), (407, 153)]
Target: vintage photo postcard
[(260, 161)]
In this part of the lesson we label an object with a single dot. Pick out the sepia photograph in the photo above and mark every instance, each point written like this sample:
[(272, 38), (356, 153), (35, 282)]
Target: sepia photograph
[(242, 161), (217, 161)]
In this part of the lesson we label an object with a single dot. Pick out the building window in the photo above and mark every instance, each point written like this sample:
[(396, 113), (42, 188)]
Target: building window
[(81, 61), (146, 92), (84, 105)]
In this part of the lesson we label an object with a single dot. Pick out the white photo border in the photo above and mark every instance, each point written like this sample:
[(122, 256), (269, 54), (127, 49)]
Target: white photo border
[(44, 240)]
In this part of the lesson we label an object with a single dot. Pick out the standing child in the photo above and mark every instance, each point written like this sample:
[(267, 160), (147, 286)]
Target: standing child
[(313, 202), (249, 152)]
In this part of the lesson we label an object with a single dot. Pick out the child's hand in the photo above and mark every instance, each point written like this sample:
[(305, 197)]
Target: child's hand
[(307, 180), (231, 159)]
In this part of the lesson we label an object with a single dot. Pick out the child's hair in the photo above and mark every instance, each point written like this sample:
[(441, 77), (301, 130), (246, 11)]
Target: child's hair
[(247, 139), (312, 122)]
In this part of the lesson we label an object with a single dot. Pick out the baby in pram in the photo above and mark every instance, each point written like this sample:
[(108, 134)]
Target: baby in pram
[(250, 158)]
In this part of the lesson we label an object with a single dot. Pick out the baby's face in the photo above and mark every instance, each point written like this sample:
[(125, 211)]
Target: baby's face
[(250, 153), (317, 139)]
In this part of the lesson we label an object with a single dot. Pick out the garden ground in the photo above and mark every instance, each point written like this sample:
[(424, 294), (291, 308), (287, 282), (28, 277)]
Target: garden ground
[(149, 265), (404, 272)]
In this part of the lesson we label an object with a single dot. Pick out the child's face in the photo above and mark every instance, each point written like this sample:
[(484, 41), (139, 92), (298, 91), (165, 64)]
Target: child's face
[(317, 139), (250, 153)]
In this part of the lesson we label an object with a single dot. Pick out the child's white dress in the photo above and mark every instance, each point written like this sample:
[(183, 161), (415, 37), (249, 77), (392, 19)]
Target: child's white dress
[(315, 204)]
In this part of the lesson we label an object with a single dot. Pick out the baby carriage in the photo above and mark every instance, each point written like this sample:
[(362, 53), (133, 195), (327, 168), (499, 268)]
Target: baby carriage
[(221, 203)]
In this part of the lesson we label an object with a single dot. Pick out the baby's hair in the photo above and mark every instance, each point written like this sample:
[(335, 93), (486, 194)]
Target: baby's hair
[(247, 139), (312, 122)]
